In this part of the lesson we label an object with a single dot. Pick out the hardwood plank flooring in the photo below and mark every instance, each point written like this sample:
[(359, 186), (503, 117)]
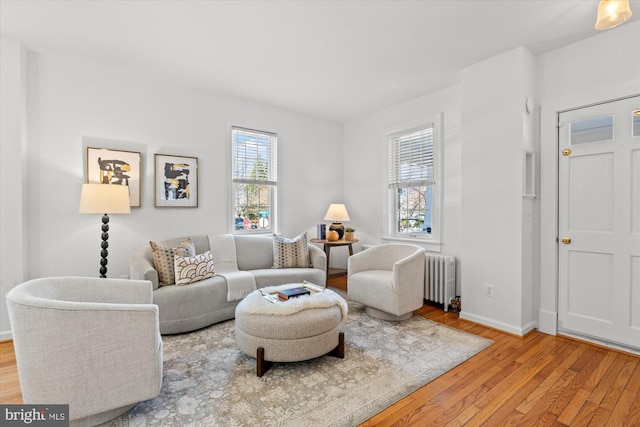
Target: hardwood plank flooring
[(535, 380), (9, 383)]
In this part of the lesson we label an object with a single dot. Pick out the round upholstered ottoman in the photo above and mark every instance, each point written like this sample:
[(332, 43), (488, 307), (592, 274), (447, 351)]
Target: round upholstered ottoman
[(300, 328)]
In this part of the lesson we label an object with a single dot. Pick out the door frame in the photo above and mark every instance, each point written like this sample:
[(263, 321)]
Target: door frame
[(549, 146)]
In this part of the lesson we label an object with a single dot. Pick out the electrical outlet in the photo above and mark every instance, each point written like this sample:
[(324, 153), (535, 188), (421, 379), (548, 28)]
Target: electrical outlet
[(488, 290)]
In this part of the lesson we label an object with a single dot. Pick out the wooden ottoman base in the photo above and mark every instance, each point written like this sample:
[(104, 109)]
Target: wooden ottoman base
[(263, 365)]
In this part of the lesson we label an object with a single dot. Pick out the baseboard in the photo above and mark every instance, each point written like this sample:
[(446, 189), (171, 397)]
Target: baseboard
[(505, 327), (6, 335), (529, 327), (548, 321)]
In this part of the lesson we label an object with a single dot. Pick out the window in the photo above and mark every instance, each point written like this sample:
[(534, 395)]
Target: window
[(592, 130), (412, 186), (254, 180)]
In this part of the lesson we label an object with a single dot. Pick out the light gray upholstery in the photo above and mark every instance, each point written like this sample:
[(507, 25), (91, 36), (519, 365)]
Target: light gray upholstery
[(254, 252), (304, 335), (91, 343), (194, 306), (388, 280), (190, 307)]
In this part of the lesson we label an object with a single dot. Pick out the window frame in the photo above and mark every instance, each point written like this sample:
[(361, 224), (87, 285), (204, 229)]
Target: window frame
[(393, 233), (272, 182)]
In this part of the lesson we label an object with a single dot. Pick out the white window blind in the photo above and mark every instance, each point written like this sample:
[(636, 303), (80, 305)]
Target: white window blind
[(254, 156), (411, 159)]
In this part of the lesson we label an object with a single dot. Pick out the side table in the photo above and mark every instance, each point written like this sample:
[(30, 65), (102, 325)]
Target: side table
[(328, 244)]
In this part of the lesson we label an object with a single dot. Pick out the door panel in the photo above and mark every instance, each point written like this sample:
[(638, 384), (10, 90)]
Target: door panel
[(590, 274), (635, 192), (634, 302), (599, 215), (591, 192)]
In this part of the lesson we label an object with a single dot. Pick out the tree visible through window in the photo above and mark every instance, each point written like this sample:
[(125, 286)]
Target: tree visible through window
[(254, 169), (411, 181)]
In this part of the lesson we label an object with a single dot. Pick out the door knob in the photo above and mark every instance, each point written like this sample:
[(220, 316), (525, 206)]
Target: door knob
[(566, 240)]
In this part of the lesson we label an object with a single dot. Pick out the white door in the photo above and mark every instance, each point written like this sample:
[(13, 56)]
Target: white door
[(599, 222)]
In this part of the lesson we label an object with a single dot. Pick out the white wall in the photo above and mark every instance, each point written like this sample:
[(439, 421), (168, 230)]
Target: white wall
[(602, 67), (608, 59), (71, 99), (530, 205), (486, 223), (493, 99), (365, 167), (12, 170)]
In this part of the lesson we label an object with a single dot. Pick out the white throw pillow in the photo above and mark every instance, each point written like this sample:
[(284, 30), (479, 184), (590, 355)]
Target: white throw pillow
[(194, 269)]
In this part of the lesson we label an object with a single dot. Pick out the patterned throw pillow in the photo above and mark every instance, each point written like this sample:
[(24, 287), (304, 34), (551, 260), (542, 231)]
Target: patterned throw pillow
[(163, 259), (291, 253), (194, 268)]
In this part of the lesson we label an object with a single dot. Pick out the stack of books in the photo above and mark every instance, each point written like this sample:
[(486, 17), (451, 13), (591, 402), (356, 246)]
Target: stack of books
[(304, 288), (322, 231), (285, 294)]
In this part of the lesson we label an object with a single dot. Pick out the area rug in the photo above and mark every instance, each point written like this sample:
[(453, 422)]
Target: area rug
[(208, 381)]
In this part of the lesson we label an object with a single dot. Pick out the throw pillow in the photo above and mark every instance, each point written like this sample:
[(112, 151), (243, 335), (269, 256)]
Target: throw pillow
[(291, 253), (163, 259), (194, 268)]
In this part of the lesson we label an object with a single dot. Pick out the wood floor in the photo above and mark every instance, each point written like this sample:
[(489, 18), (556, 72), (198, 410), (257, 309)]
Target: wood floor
[(535, 380)]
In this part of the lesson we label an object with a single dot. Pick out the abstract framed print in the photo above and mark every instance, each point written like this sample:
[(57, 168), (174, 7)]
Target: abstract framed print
[(176, 181), (115, 167)]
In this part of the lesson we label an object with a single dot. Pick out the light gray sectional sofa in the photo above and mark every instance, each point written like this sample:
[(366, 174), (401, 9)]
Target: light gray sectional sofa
[(194, 306)]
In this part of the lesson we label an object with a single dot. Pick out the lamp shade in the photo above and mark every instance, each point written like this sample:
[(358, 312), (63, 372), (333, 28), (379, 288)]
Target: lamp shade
[(337, 212), (105, 199), (612, 13)]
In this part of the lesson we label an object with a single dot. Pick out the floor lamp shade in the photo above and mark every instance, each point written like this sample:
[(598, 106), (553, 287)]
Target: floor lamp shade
[(104, 199), (337, 213)]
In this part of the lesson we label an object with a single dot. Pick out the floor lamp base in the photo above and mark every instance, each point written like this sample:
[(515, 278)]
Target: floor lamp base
[(104, 252)]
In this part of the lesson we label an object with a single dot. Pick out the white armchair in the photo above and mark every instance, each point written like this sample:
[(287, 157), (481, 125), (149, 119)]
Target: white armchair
[(91, 343), (388, 280)]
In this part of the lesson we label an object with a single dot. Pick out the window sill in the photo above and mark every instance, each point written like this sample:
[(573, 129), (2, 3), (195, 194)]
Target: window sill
[(252, 232), (429, 245)]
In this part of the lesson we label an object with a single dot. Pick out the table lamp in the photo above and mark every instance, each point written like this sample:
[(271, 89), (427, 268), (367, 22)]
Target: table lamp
[(337, 213), (105, 199)]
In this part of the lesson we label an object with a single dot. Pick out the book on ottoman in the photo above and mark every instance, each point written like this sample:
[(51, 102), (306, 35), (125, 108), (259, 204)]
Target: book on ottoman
[(293, 292)]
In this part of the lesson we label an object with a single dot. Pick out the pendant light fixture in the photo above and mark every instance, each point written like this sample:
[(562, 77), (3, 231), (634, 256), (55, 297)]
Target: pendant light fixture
[(612, 13)]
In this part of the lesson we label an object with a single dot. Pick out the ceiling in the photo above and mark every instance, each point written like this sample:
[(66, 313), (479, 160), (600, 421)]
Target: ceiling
[(330, 59)]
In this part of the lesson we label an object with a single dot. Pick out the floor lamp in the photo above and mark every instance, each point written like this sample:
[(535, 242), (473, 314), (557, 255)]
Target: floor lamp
[(105, 199)]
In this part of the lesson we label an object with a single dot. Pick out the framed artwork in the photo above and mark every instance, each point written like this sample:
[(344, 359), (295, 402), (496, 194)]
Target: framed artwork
[(115, 167), (176, 181)]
